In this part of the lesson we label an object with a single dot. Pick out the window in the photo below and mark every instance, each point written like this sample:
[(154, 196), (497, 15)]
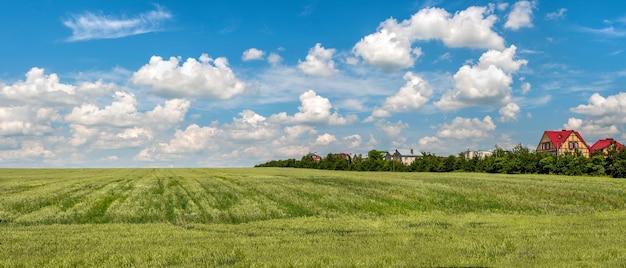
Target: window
[(545, 146), (573, 145)]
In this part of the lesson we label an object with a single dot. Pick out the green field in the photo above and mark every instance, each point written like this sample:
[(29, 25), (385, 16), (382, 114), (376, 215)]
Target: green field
[(302, 217)]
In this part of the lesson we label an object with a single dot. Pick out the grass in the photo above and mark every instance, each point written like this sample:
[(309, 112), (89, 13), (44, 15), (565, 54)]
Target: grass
[(293, 217)]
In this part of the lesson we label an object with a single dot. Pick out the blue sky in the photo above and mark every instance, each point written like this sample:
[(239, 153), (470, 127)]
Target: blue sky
[(237, 83)]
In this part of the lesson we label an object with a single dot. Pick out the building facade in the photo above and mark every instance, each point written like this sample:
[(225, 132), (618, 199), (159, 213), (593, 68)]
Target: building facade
[(560, 142)]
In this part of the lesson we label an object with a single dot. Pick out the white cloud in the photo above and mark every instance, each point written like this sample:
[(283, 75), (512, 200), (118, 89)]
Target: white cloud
[(27, 150), (520, 16), (89, 26), (111, 158), (274, 59), (193, 139), (46, 90), (81, 134), (104, 137), (26, 120), (590, 129), (122, 112), (600, 106), (604, 115), (314, 110), (353, 104), (393, 130), (391, 46), (444, 57), (120, 124), (387, 50), (487, 83), (412, 96), (573, 123), (319, 62), (297, 130), (168, 115), (353, 141), (472, 28), (206, 78), (557, 15), (509, 112), (465, 128), (526, 87), (252, 54), (428, 140), (325, 139), (251, 126)]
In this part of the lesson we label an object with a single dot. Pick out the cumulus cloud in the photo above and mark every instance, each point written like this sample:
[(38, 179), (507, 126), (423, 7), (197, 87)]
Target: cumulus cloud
[(27, 150), (274, 59), (121, 124), (319, 62), (353, 141), (601, 106), (193, 139), (509, 112), (393, 133), (464, 128), (325, 139), (27, 120), (314, 110), (89, 26), (387, 50), (204, 78), (391, 46), (392, 130), (47, 90), (604, 115), (520, 16), (104, 137), (412, 96), (487, 83), (296, 131), (590, 128), (82, 134), (250, 126), (122, 112), (252, 54), (428, 140)]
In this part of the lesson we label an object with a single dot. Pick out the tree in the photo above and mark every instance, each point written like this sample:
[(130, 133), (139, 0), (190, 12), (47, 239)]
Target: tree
[(547, 165), (449, 164)]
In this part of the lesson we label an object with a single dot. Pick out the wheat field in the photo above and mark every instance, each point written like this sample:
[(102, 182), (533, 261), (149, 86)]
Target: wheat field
[(300, 217)]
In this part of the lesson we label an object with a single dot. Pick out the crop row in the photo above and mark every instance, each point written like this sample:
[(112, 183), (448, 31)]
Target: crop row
[(186, 196)]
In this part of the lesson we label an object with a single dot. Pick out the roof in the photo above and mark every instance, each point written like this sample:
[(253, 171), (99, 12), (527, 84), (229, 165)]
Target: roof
[(406, 152), (558, 137), (601, 144)]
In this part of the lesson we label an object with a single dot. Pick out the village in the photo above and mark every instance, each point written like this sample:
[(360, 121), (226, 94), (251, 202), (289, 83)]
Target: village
[(558, 152), (554, 142)]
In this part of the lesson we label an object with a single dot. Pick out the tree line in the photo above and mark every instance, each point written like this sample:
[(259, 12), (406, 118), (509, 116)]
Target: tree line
[(519, 160)]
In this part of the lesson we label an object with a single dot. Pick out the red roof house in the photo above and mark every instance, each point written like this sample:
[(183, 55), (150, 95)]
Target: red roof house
[(559, 142), (605, 145)]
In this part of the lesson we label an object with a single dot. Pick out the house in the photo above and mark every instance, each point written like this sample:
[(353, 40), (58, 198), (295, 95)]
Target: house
[(605, 145), (560, 142), (480, 154), (344, 156), (406, 156), (314, 157)]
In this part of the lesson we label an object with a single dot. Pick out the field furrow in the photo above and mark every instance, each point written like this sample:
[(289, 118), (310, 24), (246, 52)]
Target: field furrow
[(256, 217)]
